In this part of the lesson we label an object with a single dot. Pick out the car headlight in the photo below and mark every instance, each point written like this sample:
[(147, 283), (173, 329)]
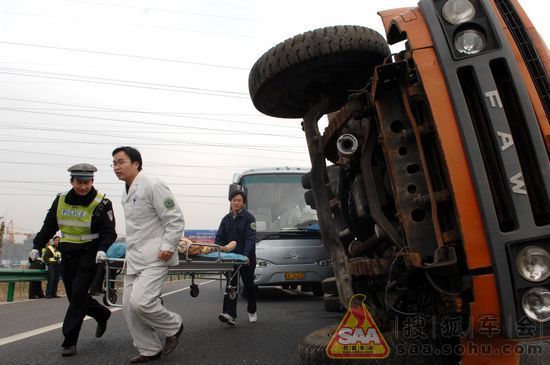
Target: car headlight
[(262, 263), (536, 304), (458, 11), (533, 264), (470, 41)]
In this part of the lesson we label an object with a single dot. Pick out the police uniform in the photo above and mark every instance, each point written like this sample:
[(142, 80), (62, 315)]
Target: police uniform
[(241, 229), (154, 223), (87, 226), (52, 258)]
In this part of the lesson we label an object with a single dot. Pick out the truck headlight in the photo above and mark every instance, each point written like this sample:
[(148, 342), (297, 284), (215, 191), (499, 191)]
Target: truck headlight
[(458, 11), (262, 263), (536, 304), (533, 264), (470, 41)]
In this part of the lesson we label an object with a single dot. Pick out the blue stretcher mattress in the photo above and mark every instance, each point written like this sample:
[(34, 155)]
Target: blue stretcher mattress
[(224, 256)]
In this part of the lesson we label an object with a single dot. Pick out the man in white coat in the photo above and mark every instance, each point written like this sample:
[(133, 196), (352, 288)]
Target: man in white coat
[(154, 226)]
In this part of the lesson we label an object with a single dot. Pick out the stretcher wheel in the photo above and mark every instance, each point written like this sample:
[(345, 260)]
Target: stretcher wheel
[(112, 298), (194, 290)]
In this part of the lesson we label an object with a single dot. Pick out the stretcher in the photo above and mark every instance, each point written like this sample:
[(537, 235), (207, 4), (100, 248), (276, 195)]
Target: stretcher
[(216, 265)]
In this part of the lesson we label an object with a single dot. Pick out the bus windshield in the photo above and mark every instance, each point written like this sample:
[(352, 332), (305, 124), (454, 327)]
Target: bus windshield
[(277, 203)]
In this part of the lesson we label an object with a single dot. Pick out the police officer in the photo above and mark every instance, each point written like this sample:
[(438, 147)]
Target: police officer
[(52, 258), (87, 224), (239, 226)]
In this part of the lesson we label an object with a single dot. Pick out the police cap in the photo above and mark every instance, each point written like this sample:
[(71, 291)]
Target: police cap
[(82, 171)]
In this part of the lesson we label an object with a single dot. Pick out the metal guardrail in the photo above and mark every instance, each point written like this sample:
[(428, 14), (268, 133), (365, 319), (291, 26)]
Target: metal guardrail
[(12, 276)]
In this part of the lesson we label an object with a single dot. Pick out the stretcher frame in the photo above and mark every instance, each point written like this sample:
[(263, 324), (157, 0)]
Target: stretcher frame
[(210, 268)]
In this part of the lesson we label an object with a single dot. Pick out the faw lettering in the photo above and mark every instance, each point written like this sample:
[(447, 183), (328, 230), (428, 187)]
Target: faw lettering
[(518, 185), (73, 213), (348, 336), (494, 98), (506, 139)]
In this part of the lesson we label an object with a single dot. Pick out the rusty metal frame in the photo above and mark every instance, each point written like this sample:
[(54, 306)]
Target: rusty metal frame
[(318, 172), (403, 159)]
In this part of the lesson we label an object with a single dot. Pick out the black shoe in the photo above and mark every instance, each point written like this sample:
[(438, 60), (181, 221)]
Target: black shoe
[(48, 297), (227, 318), (56, 296), (172, 342), (102, 325), (68, 350), (142, 358)]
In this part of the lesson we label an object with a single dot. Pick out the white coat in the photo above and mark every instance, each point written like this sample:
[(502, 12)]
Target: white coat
[(154, 222)]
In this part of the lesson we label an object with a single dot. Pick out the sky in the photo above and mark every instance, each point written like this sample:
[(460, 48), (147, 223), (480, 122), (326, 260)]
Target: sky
[(80, 78)]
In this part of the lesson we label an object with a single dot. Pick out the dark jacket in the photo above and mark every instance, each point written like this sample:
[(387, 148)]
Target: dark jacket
[(241, 229), (103, 223)]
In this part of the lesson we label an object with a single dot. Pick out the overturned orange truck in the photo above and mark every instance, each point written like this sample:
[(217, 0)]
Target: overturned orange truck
[(432, 178)]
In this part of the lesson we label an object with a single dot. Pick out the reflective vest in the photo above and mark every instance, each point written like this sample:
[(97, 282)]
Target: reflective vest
[(75, 221), (55, 257)]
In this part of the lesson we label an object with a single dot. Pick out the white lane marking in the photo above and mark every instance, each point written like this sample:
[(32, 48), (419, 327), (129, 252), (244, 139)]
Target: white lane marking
[(39, 331)]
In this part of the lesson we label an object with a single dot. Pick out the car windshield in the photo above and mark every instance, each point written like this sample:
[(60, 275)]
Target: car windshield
[(277, 203)]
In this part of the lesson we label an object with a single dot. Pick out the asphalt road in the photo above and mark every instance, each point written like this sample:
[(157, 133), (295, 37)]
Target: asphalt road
[(30, 331)]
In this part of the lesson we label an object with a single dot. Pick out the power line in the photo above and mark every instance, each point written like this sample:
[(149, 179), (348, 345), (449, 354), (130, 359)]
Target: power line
[(114, 195), (186, 142), (104, 183), (124, 55), (130, 132), (163, 165), (148, 123), (179, 115), (57, 142), (124, 83), (172, 11)]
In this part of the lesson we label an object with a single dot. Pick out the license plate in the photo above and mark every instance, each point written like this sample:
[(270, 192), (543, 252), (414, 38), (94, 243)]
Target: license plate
[(294, 276)]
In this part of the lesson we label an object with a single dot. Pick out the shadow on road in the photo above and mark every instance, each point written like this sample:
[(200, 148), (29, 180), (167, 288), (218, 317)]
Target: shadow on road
[(279, 294)]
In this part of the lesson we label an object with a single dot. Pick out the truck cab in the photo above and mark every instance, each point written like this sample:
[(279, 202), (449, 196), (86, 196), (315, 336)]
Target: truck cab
[(432, 179)]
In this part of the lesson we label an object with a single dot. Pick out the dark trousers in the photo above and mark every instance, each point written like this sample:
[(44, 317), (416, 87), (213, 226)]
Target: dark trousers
[(54, 272), (78, 270), (97, 283), (35, 287), (247, 274)]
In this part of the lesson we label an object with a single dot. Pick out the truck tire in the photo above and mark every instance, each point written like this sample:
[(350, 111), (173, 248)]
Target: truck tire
[(326, 62), (310, 199), (312, 351), (332, 303), (306, 182), (329, 286), (317, 289)]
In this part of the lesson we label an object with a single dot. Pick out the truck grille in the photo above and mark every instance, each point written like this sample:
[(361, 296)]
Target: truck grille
[(528, 52), (534, 181), (498, 180)]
